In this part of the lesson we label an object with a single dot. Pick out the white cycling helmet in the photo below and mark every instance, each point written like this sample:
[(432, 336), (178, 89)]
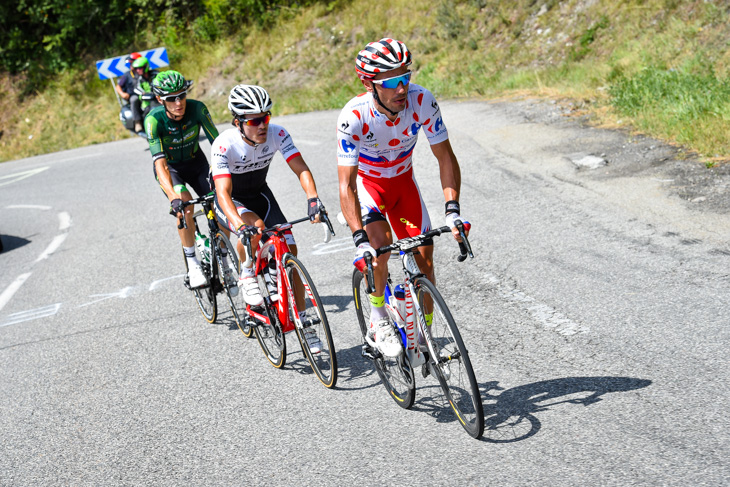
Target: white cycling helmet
[(381, 56), (248, 99)]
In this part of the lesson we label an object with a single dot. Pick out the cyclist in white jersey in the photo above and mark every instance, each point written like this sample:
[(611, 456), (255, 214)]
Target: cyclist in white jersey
[(240, 160), (376, 134)]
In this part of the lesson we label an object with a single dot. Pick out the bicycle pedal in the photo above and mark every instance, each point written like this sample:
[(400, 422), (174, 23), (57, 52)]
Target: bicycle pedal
[(370, 353), (425, 371)]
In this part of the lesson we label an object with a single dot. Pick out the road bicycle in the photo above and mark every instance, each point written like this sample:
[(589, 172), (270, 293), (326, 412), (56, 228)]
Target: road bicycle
[(216, 255), (436, 347), (295, 305)]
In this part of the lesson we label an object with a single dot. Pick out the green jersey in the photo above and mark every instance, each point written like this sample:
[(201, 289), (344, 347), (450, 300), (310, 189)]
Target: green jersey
[(177, 140)]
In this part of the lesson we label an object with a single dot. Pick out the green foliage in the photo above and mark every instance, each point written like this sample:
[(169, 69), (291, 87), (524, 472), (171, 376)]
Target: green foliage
[(41, 38), (587, 38)]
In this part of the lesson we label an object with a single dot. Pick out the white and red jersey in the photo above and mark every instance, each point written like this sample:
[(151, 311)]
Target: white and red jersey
[(381, 148), (247, 165)]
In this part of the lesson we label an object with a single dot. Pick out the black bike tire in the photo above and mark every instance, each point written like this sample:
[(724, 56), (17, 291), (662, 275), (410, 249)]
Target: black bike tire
[(237, 303), (475, 427), (204, 294), (315, 362), (260, 328), (406, 398)]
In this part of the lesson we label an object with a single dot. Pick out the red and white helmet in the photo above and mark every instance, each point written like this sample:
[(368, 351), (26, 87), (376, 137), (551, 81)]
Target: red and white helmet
[(381, 56)]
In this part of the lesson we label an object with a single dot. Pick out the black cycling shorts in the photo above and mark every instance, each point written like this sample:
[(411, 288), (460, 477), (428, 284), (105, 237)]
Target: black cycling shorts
[(263, 204), (194, 174)]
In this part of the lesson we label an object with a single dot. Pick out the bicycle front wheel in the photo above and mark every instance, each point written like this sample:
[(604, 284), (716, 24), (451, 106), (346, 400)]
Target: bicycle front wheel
[(312, 327), (451, 364), (271, 338), (204, 296), (235, 297), (396, 373)]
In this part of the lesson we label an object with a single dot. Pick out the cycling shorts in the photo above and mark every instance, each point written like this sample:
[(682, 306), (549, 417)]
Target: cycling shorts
[(194, 173), (262, 204), (398, 199)]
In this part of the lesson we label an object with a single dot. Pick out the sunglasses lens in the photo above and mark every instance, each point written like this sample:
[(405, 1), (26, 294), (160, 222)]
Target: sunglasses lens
[(392, 83), (173, 98), (255, 122)]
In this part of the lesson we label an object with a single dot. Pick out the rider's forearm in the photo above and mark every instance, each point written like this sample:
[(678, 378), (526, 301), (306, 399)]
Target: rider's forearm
[(351, 208), (307, 181), (163, 176)]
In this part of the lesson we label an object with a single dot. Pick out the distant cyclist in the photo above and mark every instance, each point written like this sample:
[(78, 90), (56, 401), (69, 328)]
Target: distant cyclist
[(143, 77), (172, 132), (376, 134), (240, 160)]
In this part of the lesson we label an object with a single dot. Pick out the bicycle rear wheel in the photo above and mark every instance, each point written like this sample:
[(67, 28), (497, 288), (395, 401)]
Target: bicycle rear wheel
[(312, 318), (271, 337), (396, 373), (451, 365), (204, 296), (237, 303)]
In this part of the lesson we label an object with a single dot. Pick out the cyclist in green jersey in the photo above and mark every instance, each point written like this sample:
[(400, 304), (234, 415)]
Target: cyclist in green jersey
[(172, 132)]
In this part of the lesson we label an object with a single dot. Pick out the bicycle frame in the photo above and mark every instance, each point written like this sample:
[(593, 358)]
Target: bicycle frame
[(281, 249)]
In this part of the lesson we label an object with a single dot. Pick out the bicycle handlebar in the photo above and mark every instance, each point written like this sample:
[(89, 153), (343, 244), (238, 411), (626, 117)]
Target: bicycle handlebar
[(201, 199), (413, 242), (248, 231)]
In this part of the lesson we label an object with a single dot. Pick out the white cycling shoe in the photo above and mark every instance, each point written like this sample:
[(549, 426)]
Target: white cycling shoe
[(251, 291), (386, 338), (196, 277), (315, 344)]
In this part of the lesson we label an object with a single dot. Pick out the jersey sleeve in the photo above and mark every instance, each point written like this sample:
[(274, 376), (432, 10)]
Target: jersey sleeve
[(348, 142), (286, 143), (153, 137), (429, 111), (207, 123), (219, 158)]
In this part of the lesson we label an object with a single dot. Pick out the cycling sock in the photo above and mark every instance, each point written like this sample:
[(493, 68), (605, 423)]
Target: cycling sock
[(247, 272), (377, 308), (429, 318), (190, 256)]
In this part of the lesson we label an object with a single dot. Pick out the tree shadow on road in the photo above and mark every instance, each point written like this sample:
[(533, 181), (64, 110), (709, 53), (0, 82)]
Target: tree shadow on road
[(511, 415)]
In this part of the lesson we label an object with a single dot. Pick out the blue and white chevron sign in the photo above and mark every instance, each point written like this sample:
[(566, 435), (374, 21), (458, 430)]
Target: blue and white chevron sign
[(114, 67)]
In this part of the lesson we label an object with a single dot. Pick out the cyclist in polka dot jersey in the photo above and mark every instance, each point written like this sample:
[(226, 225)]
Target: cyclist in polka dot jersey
[(376, 134)]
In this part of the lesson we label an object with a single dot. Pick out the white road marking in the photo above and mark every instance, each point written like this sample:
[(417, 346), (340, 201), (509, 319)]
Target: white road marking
[(19, 176), (64, 221), (160, 281), (123, 293), (13, 288), (29, 315), (337, 245), (95, 154), (546, 315), (53, 246), (28, 207)]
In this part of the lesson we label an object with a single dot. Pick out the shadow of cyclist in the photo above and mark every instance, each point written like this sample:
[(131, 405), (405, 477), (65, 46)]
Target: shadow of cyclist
[(11, 242), (510, 415)]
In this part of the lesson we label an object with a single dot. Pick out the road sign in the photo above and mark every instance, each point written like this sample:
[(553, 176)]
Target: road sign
[(116, 66)]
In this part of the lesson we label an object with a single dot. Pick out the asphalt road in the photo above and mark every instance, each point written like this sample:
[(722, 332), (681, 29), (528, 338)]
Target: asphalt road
[(595, 312)]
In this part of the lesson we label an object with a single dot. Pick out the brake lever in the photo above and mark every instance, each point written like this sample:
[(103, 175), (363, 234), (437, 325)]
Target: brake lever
[(369, 277), (464, 246)]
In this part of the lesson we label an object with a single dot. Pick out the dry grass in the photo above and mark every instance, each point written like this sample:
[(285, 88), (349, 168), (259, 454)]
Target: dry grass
[(575, 49)]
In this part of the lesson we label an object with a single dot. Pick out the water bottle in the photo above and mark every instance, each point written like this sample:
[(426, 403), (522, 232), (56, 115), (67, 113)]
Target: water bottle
[(202, 243), (400, 299)]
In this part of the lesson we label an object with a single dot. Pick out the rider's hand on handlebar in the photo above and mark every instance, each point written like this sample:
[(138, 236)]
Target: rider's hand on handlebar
[(315, 210), (452, 215), (359, 260), (176, 208), (363, 246)]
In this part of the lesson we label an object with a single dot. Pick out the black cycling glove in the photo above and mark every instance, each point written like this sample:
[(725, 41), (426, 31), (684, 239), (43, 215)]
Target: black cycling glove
[(314, 208), (176, 206)]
